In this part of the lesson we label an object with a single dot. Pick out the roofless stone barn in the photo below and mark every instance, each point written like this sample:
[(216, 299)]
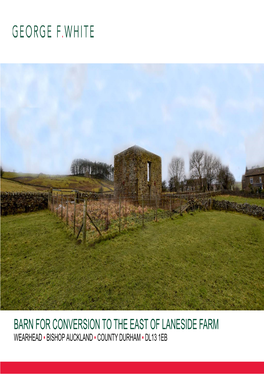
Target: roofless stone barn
[(137, 172)]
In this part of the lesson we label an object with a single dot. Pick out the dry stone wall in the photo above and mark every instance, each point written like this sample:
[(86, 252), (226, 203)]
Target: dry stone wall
[(198, 195), (19, 202), (252, 210)]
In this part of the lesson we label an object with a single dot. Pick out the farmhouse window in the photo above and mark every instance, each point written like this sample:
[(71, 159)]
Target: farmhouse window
[(251, 180), (260, 180)]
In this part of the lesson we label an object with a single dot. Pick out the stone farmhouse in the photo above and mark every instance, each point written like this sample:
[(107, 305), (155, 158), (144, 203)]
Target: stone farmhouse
[(253, 177), (137, 172)]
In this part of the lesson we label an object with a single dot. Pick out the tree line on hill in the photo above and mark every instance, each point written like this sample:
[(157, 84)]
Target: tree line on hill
[(206, 173), (88, 168)]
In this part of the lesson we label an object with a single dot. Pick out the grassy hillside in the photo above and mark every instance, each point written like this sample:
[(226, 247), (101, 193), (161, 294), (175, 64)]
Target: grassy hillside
[(241, 199), (60, 181), (12, 186), (208, 260)]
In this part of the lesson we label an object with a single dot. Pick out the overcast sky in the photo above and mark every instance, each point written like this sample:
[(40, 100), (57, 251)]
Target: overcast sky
[(51, 114)]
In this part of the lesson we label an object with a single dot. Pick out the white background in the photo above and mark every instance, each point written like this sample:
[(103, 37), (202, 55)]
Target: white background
[(239, 338), (140, 32), (137, 31)]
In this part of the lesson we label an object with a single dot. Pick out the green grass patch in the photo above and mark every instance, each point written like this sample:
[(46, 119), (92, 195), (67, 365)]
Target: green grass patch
[(207, 260), (240, 199)]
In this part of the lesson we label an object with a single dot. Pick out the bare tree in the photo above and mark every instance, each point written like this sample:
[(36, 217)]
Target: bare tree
[(197, 166), (164, 186), (225, 178), (211, 167), (176, 173), (204, 168)]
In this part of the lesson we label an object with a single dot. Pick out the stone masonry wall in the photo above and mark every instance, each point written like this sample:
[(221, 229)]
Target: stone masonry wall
[(125, 173), (154, 186), (252, 210), (19, 202), (131, 173), (204, 203)]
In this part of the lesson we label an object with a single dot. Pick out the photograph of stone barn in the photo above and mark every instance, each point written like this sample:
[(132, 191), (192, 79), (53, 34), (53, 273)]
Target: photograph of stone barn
[(133, 228), (253, 178), (137, 172)]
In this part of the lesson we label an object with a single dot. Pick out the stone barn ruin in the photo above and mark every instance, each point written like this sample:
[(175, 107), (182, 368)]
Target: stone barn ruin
[(137, 172)]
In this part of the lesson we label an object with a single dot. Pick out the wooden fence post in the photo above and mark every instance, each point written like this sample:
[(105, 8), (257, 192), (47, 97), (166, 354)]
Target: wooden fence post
[(180, 205), (119, 213), (125, 212), (61, 205), (84, 220), (67, 219), (57, 204), (156, 207), (74, 213), (170, 207), (142, 210), (106, 221), (53, 203)]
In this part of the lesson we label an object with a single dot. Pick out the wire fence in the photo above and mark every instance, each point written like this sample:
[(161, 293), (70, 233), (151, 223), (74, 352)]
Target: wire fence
[(95, 215), (91, 216)]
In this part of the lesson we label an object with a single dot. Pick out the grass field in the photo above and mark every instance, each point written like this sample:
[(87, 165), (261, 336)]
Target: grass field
[(239, 185), (241, 199), (12, 186), (207, 260), (61, 181)]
